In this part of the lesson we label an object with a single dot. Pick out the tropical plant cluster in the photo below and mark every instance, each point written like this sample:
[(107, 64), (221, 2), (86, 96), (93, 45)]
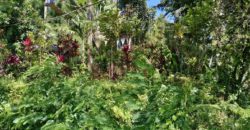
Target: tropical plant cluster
[(116, 65)]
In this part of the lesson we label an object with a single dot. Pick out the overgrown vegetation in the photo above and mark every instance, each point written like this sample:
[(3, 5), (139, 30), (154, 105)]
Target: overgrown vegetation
[(89, 64)]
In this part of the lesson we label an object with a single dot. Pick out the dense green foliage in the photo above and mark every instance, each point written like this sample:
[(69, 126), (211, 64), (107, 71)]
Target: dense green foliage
[(67, 72)]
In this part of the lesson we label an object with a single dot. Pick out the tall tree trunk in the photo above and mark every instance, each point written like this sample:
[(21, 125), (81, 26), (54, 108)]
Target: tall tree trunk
[(90, 11), (45, 10)]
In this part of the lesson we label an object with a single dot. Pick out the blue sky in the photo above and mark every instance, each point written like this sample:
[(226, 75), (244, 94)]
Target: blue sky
[(152, 3)]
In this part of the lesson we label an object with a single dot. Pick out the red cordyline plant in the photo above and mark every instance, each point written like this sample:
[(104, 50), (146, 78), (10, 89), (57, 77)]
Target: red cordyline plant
[(67, 48), (126, 51), (12, 60), (27, 42), (28, 45)]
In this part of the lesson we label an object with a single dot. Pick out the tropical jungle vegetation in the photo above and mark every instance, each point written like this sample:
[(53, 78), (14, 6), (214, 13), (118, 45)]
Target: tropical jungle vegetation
[(117, 65)]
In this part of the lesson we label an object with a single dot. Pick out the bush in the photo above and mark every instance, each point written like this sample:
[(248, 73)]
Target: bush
[(51, 101)]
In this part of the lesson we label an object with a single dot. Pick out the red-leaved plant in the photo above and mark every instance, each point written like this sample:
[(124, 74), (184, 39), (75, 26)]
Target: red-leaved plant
[(27, 42), (67, 48), (12, 60)]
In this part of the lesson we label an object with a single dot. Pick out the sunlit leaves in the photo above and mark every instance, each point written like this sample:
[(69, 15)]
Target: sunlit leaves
[(81, 1)]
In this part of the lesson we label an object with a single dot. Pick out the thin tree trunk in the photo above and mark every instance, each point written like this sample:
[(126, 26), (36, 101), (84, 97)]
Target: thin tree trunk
[(45, 10), (90, 11)]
